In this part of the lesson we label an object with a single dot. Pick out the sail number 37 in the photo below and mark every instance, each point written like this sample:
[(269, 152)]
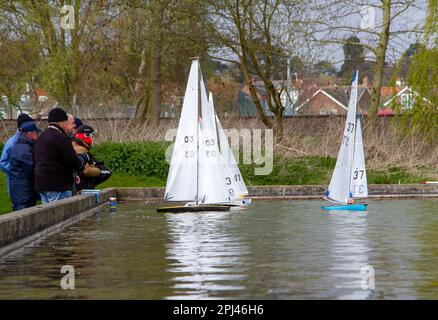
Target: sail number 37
[(356, 174)]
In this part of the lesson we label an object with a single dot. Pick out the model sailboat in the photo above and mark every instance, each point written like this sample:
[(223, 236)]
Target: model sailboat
[(349, 179), (198, 174)]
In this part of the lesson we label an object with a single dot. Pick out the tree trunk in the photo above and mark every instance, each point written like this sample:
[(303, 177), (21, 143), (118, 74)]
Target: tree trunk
[(157, 45), (380, 64), (143, 104), (139, 92), (278, 129), (155, 109), (258, 106)]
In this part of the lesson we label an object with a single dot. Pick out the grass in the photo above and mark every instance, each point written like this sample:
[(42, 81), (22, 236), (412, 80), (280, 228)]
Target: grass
[(5, 204), (125, 180)]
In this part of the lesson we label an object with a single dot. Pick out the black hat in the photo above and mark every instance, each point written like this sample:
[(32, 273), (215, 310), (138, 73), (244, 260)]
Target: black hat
[(78, 122), (23, 118), (57, 115), (29, 126), (85, 128)]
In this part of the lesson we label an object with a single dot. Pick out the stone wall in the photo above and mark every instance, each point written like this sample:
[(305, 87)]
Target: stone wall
[(24, 226), (304, 192)]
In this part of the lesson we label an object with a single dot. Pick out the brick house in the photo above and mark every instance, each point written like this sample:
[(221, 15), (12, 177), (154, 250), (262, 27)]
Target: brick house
[(332, 100)]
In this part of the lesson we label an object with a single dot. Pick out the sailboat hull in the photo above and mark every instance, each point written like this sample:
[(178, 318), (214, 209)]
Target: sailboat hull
[(194, 208), (349, 207), (245, 202)]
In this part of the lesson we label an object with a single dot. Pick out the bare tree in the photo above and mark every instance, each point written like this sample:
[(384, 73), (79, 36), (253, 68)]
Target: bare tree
[(254, 34), (382, 27)]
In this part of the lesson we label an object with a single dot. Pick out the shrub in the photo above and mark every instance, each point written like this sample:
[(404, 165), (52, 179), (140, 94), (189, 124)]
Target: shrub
[(135, 158)]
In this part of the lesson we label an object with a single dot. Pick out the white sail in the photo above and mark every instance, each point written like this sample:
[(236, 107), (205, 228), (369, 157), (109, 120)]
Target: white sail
[(339, 188), (182, 183), (228, 156), (215, 182), (358, 184)]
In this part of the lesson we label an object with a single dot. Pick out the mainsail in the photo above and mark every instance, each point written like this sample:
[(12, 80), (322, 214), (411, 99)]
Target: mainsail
[(339, 189), (182, 182)]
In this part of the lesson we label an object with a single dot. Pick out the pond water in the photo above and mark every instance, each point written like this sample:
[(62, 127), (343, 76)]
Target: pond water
[(270, 250)]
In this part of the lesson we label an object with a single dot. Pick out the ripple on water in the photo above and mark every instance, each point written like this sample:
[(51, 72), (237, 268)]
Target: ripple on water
[(272, 250)]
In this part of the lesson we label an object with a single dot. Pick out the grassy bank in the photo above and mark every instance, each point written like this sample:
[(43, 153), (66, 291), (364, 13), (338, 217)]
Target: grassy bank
[(117, 180), (143, 164)]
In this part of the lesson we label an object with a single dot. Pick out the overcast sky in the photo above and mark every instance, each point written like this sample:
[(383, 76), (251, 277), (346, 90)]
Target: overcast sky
[(409, 20)]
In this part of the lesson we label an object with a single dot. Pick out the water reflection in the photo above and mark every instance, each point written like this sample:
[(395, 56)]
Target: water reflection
[(349, 254), (272, 250), (205, 258)]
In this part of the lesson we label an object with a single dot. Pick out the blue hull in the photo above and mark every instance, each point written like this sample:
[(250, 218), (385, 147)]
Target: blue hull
[(351, 207)]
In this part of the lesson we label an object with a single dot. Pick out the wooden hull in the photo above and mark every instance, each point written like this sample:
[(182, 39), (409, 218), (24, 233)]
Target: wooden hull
[(349, 207), (194, 208)]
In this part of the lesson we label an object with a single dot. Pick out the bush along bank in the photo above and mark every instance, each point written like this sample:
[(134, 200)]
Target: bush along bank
[(134, 158), (147, 159)]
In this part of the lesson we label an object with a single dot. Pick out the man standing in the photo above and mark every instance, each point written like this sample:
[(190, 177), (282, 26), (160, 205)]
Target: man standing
[(21, 182), (6, 152), (55, 159)]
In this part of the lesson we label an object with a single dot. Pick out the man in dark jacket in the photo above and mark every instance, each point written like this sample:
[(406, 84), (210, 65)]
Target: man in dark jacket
[(21, 168), (55, 159)]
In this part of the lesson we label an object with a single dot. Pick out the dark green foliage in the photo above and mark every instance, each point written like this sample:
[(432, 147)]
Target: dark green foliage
[(134, 158)]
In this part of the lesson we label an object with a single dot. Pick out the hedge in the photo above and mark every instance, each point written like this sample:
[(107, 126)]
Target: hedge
[(134, 158)]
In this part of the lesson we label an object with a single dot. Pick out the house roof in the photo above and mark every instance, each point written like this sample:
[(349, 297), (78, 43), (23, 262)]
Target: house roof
[(338, 94), (400, 92)]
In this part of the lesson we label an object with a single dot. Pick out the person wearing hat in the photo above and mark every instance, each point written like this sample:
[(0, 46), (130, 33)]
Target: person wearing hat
[(78, 122), (21, 169), (94, 172), (7, 148), (55, 159)]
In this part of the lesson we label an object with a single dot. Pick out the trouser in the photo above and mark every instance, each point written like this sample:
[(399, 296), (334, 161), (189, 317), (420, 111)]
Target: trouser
[(50, 196), (22, 195)]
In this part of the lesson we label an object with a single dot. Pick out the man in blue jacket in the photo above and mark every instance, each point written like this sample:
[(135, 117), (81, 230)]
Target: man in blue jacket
[(21, 168), (7, 148)]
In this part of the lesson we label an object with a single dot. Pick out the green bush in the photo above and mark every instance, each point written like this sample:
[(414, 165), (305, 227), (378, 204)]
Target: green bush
[(135, 158), (1, 146)]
